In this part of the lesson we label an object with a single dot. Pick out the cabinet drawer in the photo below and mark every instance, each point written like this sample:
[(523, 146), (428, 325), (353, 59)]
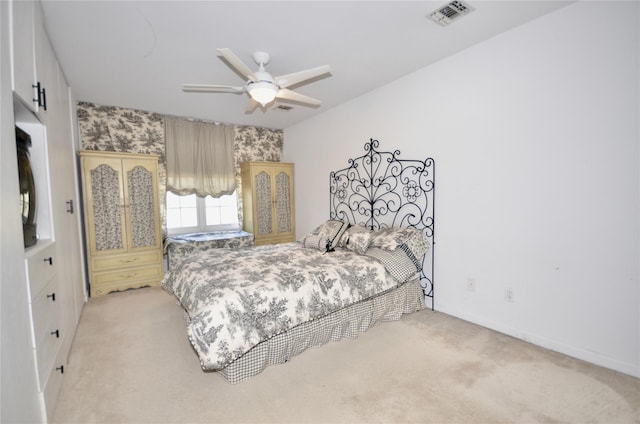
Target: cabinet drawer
[(40, 267), (47, 349), (126, 261), (46, 310), (52, 387), (126, 275)]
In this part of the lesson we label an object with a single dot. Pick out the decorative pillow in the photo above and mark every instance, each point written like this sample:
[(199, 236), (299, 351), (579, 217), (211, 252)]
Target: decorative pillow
[(309, 239), (327, 236), (403, 261), (358, 239), (415, 247), (352, 229), (396, 262), (391, 238), (314, 241)]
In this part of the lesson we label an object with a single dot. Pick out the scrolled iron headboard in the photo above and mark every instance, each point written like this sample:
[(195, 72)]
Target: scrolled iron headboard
[(379, 190)]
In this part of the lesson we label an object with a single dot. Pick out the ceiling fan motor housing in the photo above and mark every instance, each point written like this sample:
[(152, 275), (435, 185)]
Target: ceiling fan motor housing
[(264, 76), (261, 58)]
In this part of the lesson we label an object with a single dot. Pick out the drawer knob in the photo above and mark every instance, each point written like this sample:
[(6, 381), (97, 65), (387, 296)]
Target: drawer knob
[(49, 259), (57, 333), (61, 369), (52, 296)]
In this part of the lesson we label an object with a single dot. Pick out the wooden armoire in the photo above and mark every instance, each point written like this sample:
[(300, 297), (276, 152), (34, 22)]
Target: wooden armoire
[(122, 220), (267, 196)]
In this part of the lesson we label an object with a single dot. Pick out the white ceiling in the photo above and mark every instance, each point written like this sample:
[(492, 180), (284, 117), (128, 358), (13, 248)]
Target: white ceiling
[(136, 54)]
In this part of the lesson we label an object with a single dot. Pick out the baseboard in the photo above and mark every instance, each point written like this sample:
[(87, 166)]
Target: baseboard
[(554, 345)]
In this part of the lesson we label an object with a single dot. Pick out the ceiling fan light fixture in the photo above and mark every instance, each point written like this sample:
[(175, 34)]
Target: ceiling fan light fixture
[(263, 92)]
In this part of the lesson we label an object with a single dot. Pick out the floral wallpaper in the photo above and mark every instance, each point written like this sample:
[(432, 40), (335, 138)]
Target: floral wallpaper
[(258, 144), (116, 129)]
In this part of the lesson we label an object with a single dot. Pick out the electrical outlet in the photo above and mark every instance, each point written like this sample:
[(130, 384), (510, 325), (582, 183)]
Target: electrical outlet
[(508, 294), (471, 284)]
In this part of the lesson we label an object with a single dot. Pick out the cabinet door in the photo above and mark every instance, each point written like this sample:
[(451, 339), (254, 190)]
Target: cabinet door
[(65, 205), (283, 201), (105, 205), (46, 66), (23, 69), (141, 194), (263, 205)]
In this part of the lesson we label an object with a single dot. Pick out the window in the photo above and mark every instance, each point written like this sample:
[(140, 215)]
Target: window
[(191, 214)]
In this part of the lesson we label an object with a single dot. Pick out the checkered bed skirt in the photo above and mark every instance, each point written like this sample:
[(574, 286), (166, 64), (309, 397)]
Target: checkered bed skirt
[(347, 322)]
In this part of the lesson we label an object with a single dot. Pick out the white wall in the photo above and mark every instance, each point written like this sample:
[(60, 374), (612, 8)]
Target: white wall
[(535, 136)]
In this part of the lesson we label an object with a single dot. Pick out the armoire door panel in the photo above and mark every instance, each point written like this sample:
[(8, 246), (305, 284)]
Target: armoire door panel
[(283, 202), (104, 205), (141, 209), (264, 209)]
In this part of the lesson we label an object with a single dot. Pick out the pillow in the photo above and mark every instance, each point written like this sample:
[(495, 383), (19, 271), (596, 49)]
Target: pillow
[(396, 262), (327, 236), (415, 247), (358, 238), (308, 239), (391, 238), (351, 229), (403, 261)]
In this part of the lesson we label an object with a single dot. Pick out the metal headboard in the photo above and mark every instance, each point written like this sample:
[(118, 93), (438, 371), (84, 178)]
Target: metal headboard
[(378, 190)]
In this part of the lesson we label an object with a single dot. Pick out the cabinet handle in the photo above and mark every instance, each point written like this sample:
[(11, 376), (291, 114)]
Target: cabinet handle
[(129, 275), (52, 296), (70, 206), (44, 99), (41, 99), (37, 87), (49, 259), (57, 333), (61, 369), (128, 260)]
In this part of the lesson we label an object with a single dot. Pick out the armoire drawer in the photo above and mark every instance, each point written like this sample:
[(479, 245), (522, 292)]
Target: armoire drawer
[(126, 261), (41, 265), (129, 274)]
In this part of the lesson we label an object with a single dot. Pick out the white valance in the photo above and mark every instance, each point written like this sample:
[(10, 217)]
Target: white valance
[(199, 157)]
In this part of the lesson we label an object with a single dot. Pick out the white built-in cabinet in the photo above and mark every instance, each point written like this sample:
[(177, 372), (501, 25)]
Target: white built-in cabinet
[(52, 282)]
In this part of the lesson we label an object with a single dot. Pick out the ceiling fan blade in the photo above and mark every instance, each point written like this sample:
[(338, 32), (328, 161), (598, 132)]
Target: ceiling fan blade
[(238, 64), (210, 88), (287, 80), (251, 105), (286, 94)]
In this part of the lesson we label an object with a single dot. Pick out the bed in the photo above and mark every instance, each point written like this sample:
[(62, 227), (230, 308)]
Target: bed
[(370, 261)]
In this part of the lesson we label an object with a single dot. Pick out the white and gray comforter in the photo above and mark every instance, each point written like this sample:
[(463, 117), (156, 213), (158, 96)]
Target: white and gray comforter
[(235, 299)]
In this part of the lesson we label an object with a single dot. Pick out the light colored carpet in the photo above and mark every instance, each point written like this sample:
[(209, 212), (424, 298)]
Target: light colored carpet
[(132, 363)]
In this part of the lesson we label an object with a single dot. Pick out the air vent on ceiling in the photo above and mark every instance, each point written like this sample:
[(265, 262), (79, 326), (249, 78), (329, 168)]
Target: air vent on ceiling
[(450, 12), (284, 107)]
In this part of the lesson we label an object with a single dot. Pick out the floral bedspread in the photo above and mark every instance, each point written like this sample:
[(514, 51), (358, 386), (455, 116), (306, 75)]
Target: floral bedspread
[(237, 298)]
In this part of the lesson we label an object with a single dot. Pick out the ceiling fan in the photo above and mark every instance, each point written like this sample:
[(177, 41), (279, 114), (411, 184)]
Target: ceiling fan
[(262, 88)]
